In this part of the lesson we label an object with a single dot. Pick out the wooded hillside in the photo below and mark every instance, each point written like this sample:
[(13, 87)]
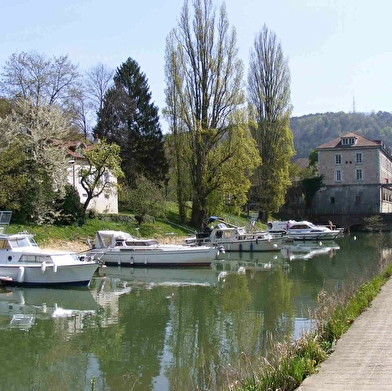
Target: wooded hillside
[(313, 130)]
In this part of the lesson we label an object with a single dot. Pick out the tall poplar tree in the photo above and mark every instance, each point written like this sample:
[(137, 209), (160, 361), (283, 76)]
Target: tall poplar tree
[(130, 119), (204, 96), (270, 110), (177, 142)]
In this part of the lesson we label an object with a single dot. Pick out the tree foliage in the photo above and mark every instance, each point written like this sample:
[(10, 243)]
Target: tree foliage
[(13, 176), (35, 130), (103, 165), (129, 119), (203, 94), (99, 79), (5, 107), (41, 80), (311, 186), (270, 109), (146, 198), (177, 143)]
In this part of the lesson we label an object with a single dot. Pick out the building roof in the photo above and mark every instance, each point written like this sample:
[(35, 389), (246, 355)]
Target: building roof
[(302, 162), (74, 148), (361, 142)]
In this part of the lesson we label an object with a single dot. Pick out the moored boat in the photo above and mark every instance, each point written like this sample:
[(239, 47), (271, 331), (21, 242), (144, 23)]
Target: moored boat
[(118, 248), (303, 230), (22, 262), (236, 239)]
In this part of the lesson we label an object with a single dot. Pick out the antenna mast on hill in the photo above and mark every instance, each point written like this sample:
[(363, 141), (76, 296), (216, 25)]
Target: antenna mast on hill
[(353, 104)]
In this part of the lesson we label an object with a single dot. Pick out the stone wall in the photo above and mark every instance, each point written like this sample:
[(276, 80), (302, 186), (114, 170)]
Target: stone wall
[(337, 199)]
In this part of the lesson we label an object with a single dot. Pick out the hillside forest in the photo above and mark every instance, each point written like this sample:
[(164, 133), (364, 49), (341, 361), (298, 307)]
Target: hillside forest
[(313, 130)]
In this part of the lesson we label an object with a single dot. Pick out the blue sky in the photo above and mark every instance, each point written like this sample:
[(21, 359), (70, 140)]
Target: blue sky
[(339, 51)]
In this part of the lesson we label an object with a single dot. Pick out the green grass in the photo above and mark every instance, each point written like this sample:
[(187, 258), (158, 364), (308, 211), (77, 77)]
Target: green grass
[(45, 234), (160, 228)]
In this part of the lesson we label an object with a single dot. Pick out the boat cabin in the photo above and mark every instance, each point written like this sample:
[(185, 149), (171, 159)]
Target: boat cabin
[(9, 242), (104, 239)]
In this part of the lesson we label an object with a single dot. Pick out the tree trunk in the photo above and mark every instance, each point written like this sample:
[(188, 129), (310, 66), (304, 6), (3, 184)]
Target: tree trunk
[(263, 216), (198, 212)]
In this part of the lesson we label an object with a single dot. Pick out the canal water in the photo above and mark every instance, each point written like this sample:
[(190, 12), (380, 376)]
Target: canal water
[(173, 329)]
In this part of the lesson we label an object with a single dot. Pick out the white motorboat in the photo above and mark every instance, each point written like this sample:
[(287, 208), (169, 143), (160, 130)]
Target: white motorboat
[(237, 239), (305, 230), (22, 262), (119, 248), (302, 230)]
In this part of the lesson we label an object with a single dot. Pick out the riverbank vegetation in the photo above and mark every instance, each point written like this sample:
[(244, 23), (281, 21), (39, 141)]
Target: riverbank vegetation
[(291, 361), (167, 227)]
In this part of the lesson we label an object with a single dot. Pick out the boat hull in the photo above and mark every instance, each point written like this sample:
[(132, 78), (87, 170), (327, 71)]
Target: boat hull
[(189, 257), (312, 236), (253, 246), (34, 275)]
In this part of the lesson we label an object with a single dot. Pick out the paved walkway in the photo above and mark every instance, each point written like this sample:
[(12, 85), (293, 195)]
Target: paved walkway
[(362, 359)]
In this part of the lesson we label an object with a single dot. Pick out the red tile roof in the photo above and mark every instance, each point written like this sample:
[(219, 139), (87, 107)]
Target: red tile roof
[(361, 142)]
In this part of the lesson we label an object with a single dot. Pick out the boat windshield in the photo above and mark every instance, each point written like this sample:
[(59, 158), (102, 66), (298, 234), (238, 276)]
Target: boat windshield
[(23, 241)]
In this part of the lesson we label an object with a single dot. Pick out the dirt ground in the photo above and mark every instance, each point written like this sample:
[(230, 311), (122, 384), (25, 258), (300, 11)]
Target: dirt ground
[(79, 246), (66, 245)]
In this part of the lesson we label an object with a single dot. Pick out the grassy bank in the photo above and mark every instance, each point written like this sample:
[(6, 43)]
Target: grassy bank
[(49, 234), (292, 361), (165, 229)]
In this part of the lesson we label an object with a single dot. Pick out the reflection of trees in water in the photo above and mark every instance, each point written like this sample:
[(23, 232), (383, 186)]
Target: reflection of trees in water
[(46, 357), (130, 350), (194, 340), (273, 303)]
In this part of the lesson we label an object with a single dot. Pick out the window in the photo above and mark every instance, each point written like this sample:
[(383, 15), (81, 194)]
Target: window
[(358, 158), (338, 159), (332, 200), (357, 200), (348, 140), (338, 177), (359, 175), (106, 178)]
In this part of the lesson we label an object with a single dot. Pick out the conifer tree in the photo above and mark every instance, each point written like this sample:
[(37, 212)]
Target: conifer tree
[(130, 119)]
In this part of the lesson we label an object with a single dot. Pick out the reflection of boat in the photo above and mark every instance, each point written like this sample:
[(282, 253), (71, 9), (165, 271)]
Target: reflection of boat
[(262, 261), (161, 276), (25, 305), (236, 239), (308, 250), (22, 262), (121, 248)]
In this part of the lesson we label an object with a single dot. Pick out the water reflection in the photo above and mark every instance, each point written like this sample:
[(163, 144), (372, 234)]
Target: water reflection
[(308, 250), (21, 307), (173, 329), (157, 276)]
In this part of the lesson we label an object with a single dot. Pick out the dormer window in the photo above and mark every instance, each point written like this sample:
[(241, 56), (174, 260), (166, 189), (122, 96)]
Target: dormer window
[(349, 140)]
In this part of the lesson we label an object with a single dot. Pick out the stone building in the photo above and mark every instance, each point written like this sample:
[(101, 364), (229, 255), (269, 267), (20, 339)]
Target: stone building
[(357, 177)]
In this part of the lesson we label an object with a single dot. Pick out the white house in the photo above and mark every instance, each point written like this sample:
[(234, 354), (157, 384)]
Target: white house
[(103, 203)]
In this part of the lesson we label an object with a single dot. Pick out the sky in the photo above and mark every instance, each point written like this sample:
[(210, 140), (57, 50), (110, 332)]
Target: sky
[(339, 52)]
